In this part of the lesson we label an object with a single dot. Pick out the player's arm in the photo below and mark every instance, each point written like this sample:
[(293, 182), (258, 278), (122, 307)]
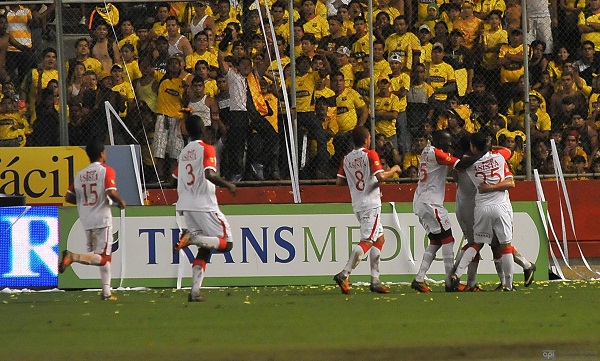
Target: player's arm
[(115, 197), (213, 177), (506, 184), (341, 181), (70, 197), (381, 176)]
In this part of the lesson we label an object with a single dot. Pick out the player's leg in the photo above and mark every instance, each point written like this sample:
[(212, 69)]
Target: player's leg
[(198, 273), (207, 230), (369, 227), (528, 267), (429, 221), (503, 230), (374, 256)]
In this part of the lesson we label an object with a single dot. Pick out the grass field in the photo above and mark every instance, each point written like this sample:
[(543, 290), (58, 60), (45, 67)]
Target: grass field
[(305, 323)]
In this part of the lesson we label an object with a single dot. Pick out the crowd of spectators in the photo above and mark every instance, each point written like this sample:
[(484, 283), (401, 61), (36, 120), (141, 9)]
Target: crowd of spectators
[(454, 65)]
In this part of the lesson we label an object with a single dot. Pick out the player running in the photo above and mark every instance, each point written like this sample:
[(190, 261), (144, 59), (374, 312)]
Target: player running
[(93, 189), (361, 171), (208, 228)]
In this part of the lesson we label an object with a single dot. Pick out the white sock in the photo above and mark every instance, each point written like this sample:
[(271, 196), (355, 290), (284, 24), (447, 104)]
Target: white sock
[(206, 241), (508, 267), (472, 272), (459, 256), (499, 271), (357, 254), (448, 256), (428, 258), (521, 260), (466, 259), (105, 278), (197, 278), (374, 256)]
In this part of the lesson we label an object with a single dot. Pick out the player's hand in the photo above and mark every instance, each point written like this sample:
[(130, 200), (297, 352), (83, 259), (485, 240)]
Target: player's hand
[(396, 168), (485, 188), (121, 205), (232, 188)]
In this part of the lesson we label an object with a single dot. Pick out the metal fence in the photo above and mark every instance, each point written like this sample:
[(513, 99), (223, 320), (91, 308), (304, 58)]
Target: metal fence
[(458, 66)]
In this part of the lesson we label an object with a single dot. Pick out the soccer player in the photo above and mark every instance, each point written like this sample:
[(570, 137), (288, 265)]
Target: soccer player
[(208, 228), (361, 171), (493, 211), (428, 205), (93, 189)]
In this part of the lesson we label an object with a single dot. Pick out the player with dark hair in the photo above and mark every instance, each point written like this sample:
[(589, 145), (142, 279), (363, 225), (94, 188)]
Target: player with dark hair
[(428, 205), (361, 171), (196, 179), (493, 211), (92, 190)]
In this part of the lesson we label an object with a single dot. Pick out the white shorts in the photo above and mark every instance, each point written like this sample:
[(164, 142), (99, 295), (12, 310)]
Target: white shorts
[(370, 224), (494, 219), (99, 240), (433, 217), (211, 224), (167, 137)]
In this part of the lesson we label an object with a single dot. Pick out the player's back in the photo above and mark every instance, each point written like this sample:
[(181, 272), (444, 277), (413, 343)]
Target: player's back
[(196, 193), (359, 169), (433, 169), (90, 187), (491, 168)]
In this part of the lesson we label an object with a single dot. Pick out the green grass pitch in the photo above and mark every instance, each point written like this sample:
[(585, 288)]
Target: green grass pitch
[(305, 323)]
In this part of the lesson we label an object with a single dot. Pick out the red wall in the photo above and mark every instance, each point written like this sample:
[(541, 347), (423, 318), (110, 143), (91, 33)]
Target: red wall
[(582, 194)]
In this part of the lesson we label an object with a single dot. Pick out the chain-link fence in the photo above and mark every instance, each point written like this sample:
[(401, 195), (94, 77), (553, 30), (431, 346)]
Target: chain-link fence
[(436, 65)]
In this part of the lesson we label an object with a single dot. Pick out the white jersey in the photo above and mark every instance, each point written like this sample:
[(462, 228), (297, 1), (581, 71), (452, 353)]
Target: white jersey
[(538, 9), (202, 110), (359, 168), (433, 169), (90, 187), (196, 193), (492, 168)]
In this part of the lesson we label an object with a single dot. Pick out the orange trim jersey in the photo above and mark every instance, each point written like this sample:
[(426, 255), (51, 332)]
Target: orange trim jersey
[(492, 168), (433, 169), (90, 187), (359, 168), (196, 193)]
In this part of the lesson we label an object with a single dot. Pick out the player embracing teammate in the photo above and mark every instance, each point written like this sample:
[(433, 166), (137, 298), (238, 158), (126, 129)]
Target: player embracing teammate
[(493, 215)]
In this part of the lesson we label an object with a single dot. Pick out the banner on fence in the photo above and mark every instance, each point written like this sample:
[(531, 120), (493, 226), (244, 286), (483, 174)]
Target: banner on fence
[(280, 244)]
